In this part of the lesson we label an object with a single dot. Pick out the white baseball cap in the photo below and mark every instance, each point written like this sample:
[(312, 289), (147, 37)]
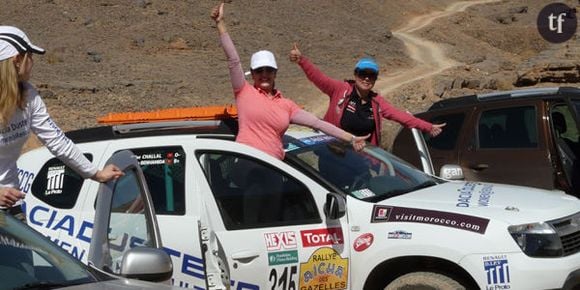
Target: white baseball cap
[(14, 41), (263, 58)]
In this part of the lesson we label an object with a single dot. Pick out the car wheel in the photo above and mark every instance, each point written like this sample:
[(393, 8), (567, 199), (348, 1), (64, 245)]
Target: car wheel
[(424, 281)]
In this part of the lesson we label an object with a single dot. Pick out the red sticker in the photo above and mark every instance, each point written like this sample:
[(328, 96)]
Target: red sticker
[(363, 242)]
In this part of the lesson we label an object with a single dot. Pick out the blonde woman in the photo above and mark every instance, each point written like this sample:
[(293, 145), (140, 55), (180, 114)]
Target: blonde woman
[(22, 111)]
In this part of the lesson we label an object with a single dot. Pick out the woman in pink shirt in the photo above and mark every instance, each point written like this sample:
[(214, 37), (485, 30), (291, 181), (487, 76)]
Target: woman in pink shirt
[(264, 114), (353, 105)]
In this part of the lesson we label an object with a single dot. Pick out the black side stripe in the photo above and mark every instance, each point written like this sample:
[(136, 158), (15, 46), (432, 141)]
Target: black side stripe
[(17, 42)]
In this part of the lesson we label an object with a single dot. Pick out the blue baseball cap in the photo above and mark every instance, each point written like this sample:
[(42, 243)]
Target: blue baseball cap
[(367, 63)]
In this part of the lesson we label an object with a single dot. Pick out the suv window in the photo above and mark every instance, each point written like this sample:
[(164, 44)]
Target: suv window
[(250, 194), (448, 137), (164, 170), (508, 128), (57, 184)]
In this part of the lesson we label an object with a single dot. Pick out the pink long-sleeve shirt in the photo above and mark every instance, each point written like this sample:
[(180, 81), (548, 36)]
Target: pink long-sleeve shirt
[(262, 119), (339, 91)]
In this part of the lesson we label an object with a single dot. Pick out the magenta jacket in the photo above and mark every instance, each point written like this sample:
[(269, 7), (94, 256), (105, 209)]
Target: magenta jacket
[(339, 92)]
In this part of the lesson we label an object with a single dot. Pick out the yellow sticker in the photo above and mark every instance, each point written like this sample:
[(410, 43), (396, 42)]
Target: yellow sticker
[(325, 269)]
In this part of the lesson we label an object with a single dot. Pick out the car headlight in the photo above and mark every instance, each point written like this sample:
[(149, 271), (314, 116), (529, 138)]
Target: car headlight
[(537, 239)]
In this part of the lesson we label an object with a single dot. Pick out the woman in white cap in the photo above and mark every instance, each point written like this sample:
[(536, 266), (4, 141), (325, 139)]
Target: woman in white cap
[(22, 111), (353, 105), (263, 113)]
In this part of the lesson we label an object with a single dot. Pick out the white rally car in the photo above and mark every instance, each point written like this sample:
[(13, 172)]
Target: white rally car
[(326, 217)]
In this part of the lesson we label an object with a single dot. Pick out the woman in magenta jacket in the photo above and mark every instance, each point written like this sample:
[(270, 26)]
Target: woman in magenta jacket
[(353, 106)]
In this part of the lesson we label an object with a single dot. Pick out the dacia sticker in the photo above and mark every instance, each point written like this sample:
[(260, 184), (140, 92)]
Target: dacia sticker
[(325, 269), (497, 271), (470, 197), (363, 242), (399, 235), (322, 237), (280, 240), (382, 213)]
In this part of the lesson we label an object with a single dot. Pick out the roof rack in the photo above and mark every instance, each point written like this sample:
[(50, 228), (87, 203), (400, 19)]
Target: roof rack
[(172, 114), (519, 93)]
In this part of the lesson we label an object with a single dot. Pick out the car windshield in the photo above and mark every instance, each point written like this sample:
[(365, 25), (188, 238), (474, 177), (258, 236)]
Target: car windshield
[(29, 260), (372, 174)]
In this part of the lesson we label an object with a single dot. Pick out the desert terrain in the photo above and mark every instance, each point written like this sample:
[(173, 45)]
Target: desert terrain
[(108, 56)]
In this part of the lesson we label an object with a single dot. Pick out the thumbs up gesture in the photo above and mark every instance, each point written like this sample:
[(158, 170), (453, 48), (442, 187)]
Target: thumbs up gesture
[(295, 53)]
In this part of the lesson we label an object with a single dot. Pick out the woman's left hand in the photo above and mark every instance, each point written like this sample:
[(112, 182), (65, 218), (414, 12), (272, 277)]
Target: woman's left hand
[(359, 142), (436, 129), (108, 173)]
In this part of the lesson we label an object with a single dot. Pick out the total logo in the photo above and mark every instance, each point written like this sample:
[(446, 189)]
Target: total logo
[(363, 242), (322, 237)]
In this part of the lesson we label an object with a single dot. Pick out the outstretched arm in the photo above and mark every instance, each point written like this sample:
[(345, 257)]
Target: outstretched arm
[(305, 118), (234, 63)]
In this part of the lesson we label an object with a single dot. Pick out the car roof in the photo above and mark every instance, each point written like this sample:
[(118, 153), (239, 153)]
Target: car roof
[(224, 128), (532, 93)]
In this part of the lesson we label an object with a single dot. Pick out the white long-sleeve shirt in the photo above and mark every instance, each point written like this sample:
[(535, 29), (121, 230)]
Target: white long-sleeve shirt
[(34, 118)]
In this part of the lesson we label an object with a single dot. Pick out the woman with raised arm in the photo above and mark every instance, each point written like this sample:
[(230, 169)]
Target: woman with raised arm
[(353, 105), (264, 114)]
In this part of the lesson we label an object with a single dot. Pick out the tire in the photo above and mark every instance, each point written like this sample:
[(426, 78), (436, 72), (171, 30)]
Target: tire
[(424, 281)]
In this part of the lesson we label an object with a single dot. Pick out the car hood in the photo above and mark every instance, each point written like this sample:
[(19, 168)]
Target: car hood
[(120, 284), (509, 203)]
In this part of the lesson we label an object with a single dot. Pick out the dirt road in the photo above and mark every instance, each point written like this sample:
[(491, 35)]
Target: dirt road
[(430, 57)]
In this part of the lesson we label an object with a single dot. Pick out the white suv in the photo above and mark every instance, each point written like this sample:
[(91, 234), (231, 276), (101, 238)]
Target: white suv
[(340, 220)]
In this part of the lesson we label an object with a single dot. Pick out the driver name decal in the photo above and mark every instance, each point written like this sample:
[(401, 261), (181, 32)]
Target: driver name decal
[(383, 213)]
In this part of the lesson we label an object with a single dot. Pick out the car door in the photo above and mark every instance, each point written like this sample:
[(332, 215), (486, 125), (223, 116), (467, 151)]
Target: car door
[(271, 231), (504, 145), (124, 217)]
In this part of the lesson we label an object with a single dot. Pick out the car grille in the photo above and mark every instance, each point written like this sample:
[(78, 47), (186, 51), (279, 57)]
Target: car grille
[(568, 229)]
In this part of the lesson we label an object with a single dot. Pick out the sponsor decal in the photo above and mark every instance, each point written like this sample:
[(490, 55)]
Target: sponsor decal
[(383, 213), (363, 242), (465, 198), (322, 237), (497, 271), (325, 269), (280, 258), (54, 180), (363, 193), (316, 139), (280, 240), (400, 235)]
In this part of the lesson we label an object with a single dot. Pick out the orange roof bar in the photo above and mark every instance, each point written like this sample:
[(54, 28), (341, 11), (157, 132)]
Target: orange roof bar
[(173, 114)]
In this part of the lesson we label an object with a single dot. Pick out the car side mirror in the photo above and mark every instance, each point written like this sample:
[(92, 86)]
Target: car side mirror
[(451, 172), (149, 264), (335, 206)]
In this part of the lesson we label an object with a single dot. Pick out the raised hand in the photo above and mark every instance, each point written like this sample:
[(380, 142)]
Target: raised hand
[(217, 13), (295, 53)]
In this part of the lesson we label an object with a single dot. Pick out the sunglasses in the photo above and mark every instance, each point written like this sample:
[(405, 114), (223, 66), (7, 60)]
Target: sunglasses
[(371, 75), (266, 69)]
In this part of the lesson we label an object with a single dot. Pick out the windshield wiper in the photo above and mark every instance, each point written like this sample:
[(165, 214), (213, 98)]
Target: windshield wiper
[(397, 192), (45, 285)]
